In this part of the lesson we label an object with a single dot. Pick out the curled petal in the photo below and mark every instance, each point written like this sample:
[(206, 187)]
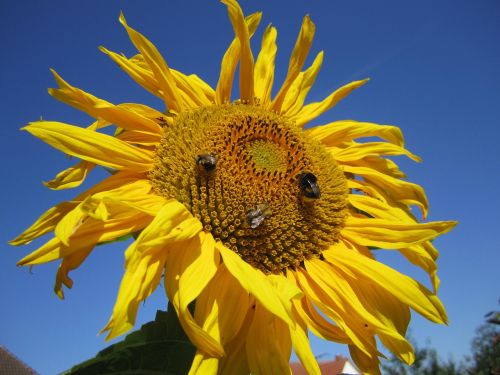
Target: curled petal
[(68, 264), (357, 151), (398, 190), (230, 61), (313, 110), (120, 115), (299, 54), (141, 75), (157, 65), (296, 95), (367, 364), (338, 132), (190, 268), (334, 308), (332, 282), (137, 284), (257, 284), (268, 353), (392, 235), (94, 147), (44, 224), (264, 66), (70, 177), (400, 286), (246, 59)]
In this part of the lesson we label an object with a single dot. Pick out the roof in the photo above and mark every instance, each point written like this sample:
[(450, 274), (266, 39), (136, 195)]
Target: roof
[(340, 365), (11, 365)]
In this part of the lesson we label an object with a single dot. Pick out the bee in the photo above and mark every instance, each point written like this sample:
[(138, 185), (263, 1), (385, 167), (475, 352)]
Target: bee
[(206, 162), (309, 188), (255, 216)]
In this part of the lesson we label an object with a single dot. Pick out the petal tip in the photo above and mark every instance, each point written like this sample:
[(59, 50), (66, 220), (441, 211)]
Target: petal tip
[(121, 18)]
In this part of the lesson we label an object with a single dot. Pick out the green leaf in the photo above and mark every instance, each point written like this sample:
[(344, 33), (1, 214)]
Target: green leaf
[(158, 347)]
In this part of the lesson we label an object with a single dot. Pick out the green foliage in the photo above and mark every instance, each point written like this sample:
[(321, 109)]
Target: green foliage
[(486, 350), (427, 362), (485, 355), (158, 347), (162, 347)]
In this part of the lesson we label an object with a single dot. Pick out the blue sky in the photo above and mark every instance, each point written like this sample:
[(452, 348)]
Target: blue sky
[(434, 70)]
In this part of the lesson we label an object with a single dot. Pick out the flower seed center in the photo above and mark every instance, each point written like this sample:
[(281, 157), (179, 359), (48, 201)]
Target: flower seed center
[(254, 180)]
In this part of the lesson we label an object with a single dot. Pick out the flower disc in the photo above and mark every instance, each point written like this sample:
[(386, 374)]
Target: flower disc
[(241, 170)]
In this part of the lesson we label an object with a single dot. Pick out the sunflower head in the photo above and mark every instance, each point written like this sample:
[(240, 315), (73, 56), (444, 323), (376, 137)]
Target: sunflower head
[(265, 226), (253, 179)]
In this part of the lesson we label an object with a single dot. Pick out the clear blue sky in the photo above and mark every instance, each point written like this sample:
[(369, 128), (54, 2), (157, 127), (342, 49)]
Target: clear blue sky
[(435, 73)]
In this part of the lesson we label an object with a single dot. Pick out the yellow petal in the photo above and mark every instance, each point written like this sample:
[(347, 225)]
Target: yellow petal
[(135, 137), (44, 224), (317, 323), (398, 190), (332, 282), (313, 110), (114, 181), (68, 264), (221, 309), (392, 235), (230, 60), (89, 233), (191, 89), (286, 287), (369, 365), (144, 111), (69, 224), (136, 286), (338, 132), (172, 223), (296, 95), (246, 58), (381, 210), (368, 189), (190, 267), (264, 66), (222, 306), (98, 108), (200, 84), (203, 365), (70, 177), (157, 65), (334, 308), (268, 353), (257, 284), (144, 268), (400, 286), (235, 361), (418, 256), (137, 195), (391, 312), (299, 54), (143, 77), (379, 164), (94, 147), (358, 151), (302, 347), (93, 207), (47, 222)]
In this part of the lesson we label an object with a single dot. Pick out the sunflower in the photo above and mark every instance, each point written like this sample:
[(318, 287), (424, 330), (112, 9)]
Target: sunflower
[(265, 226)]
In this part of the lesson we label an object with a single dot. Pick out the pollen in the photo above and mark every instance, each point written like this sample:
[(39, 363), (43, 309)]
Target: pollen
[(240, 170)]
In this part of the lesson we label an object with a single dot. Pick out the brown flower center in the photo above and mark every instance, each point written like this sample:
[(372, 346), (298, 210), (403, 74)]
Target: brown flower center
[(255, 181)]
